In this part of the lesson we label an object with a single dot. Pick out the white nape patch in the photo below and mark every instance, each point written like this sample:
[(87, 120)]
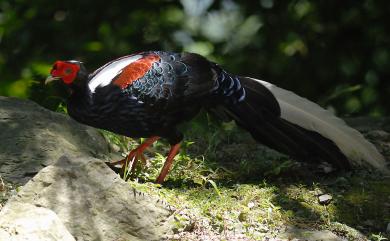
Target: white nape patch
[(109, 71)]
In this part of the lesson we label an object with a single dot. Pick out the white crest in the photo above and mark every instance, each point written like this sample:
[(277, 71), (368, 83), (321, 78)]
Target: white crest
[(106, 73)]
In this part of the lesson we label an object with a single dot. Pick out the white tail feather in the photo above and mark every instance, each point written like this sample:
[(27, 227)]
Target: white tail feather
[(311, 116)]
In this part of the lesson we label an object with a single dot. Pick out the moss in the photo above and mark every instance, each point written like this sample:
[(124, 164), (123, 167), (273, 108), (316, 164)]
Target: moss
[(224, 186), (366, 203)]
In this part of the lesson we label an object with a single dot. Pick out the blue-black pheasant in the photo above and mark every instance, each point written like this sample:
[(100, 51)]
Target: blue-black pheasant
[(149, 94)]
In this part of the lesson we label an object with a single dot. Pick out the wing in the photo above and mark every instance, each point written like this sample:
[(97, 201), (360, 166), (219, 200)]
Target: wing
[(164, 77), (103, 76)]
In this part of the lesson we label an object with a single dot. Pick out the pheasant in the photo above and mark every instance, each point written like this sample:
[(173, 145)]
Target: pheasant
[(149, 94)]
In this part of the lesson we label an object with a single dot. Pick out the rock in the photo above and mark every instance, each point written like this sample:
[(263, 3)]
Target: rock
[(292, 233), (91, 201), (388, 228), (324, 199), (27, 222), (69, 195), (33, 137), (114, 147)]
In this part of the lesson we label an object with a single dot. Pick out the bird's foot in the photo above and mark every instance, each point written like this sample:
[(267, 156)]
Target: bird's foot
[(136, 153), (129, 163)]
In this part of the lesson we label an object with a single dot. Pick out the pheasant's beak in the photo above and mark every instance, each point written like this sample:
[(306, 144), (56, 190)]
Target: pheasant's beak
[(51, 79)]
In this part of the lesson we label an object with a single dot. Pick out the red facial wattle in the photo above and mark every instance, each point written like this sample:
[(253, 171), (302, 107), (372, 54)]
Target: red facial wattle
[(65, 70)]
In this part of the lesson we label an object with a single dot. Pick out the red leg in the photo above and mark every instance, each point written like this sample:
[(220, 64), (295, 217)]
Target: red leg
[(168, 163), (137, 151)]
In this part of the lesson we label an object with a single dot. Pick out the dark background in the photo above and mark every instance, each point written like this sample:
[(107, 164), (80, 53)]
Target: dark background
[(333, 52)]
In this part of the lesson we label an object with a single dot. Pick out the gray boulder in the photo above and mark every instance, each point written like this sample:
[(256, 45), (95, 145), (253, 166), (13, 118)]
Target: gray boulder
[(33, 137), (91, 201), (74, 196), (28, 222)]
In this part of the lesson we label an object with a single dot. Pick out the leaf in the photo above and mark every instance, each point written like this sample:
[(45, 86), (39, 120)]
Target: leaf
[(215, 187)]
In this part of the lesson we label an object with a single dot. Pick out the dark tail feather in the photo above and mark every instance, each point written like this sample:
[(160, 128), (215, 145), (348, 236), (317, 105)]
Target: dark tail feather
[(259, 113)]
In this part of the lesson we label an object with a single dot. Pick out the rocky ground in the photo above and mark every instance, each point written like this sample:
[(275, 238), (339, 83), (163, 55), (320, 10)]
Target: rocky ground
[(58, 188), (54, 185)]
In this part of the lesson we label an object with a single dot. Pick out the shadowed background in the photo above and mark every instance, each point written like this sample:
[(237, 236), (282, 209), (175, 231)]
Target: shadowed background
[(333, 52)]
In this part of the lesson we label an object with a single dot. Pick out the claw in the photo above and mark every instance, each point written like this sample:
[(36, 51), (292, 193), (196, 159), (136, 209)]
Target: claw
[(130, 161)]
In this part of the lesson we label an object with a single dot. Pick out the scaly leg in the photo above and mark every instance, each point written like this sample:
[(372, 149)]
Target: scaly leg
[(133, 156), (168, 163)]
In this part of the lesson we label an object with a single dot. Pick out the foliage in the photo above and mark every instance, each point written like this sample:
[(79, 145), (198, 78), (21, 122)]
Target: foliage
[(334, 52), (377, 237), (260, 209), (230, 185)]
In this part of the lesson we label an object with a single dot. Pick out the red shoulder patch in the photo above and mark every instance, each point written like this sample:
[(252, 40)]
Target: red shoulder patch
[(135, 70)]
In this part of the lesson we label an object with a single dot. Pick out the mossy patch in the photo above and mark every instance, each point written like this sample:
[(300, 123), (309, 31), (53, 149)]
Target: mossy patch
[(226, 185)]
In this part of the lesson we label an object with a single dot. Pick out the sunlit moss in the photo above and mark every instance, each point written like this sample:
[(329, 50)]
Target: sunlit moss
[(204, 191), (248, 205)]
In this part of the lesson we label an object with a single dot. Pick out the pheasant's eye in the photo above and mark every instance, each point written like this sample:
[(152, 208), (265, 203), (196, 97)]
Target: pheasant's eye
[(68, 71)]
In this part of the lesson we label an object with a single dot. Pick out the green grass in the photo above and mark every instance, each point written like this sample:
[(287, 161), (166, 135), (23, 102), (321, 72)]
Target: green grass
[(225, 184)]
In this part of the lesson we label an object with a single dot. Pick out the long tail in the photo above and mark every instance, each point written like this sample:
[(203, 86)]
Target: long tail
[(294, 125)]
